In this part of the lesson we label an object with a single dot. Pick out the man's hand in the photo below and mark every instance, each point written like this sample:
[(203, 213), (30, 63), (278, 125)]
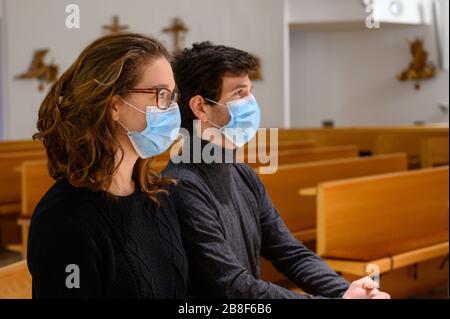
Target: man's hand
[(365, 288)]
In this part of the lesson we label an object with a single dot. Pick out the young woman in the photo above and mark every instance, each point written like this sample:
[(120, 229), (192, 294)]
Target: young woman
[(107, 228)]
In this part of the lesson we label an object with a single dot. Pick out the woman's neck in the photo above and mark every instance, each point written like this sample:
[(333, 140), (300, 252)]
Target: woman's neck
[(122, 183)]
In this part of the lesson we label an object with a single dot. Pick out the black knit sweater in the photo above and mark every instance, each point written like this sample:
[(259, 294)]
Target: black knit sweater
[(228, 222), (124, 247)]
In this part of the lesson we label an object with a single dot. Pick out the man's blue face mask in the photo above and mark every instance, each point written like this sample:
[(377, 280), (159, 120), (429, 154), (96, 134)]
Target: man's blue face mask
[(245, 117)]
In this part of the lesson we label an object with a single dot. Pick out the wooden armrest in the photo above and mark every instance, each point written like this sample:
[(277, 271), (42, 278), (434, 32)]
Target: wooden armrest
[(10, 208), (386, 264), (310, 191), (23, 221), (14, 247), (305, 235)]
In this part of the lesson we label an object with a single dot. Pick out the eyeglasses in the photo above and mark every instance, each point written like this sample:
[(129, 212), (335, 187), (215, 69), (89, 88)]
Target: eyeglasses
[(164, 97)]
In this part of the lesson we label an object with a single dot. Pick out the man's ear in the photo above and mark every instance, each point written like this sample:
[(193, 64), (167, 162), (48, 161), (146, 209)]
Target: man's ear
[(197, 105), (114, 108)]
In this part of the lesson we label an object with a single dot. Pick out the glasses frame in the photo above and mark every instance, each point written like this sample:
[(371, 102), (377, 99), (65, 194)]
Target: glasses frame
[(156, 91)]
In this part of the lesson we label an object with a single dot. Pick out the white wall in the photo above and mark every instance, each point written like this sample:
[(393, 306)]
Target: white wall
[(332, 11), (2, 74), (319, 11), (349, 77), (444, 7), (252, 25), (2, 96)]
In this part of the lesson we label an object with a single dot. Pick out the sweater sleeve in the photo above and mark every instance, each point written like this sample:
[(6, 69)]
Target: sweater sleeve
[(215, 269), (291, 257), (63, 258)]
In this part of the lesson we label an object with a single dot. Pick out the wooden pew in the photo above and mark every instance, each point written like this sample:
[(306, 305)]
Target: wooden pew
[(364, 137), (372, 139), (282, 145), (393, 143), (295, 145), (10, 189), (434, 152), (10, 175), (290, 151), (317, 154), (35, 183), (20, 145), (392, 221), (15, 281), (307, 155), (299, 212), (410, 143), (287, 156)]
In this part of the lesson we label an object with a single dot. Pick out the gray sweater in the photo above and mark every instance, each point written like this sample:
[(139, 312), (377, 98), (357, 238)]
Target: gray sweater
[(227, 223)]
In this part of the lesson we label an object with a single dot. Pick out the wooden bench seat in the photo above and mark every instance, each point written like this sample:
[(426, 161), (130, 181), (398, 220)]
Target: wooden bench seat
[(10, 188), (386, 264), (20, 145), (434, 152), (15, 281), (36, 181), (400, 217), (304, 155), (299, 212)]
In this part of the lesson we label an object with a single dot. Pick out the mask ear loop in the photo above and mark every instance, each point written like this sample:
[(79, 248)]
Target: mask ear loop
[(210, 122), (134, 107), (214, 102), (123, 126)]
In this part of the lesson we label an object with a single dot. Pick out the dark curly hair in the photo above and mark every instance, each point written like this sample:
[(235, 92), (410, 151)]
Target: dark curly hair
[(199, 71), (75, 121)]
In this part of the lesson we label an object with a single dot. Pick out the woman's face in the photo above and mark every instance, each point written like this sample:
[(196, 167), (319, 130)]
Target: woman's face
[(155, 74)]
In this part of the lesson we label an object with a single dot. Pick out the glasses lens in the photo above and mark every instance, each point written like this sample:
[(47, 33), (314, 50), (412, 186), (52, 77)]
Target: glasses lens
[(164, 98)]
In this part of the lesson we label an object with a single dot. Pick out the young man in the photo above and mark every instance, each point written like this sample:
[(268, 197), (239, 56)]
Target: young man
[(227, 218)]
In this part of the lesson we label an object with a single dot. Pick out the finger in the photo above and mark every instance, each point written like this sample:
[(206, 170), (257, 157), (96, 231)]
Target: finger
[(366, 283), (373, 293), (382, 295), (370, 285), (360, 282)]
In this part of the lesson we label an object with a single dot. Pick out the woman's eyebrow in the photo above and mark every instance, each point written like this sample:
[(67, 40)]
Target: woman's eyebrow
[(165, 86)]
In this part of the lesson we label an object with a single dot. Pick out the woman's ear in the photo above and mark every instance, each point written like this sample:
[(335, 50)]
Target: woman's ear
[(114, 108), (197, 105)]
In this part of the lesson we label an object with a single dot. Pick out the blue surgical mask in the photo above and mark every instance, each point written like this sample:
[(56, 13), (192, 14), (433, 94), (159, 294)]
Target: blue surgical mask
[(161, 131), (245, 117)]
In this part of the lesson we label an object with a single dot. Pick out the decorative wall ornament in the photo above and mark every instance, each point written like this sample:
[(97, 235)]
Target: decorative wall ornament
[(114, 26), (179, 30), (44, 73), (257, 75), (419, 69)]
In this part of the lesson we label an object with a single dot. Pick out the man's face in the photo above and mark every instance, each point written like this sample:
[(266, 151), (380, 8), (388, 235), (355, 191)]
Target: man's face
[(233, 88)]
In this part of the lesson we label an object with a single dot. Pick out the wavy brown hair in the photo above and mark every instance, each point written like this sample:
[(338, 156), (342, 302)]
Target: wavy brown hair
[(75, 123)]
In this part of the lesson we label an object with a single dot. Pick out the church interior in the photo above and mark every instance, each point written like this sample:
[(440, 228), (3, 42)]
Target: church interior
[(358, 91)]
